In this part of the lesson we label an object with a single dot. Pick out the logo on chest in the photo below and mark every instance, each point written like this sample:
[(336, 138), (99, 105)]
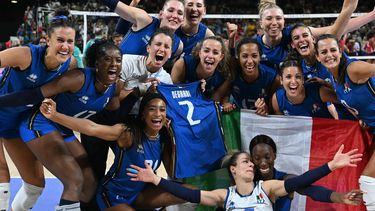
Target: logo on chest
[(32, 77), (84, 99), (347, 88), (140, 149), (260, 199)]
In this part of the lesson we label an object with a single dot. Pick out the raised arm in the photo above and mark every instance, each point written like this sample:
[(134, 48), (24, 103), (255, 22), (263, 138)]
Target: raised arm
[(360, 71), (210, 198), (138, 17), (85, 126), (277, 188), (338, 28)]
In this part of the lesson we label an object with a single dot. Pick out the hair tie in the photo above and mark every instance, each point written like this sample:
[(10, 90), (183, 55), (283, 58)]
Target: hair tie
[(60, 17)]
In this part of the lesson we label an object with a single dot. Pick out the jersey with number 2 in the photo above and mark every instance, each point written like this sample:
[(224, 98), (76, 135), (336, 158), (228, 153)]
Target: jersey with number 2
[(197, 129)]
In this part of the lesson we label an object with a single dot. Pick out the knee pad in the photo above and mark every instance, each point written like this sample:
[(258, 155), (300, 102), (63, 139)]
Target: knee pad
[(367, 185), (4, 196), (26, 197), (70, 207)]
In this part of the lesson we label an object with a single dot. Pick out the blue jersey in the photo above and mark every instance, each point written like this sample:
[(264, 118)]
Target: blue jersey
[(245, 94), (13, 80), (212, 83), (319, 71), (116, 187), (197, 129), (273, 56), (81, 104), (358, 98), (190, 41), (135, 42), (312, 105), (282, 203)]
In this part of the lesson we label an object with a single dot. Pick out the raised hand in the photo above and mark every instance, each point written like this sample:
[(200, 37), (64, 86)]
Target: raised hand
[(341, 159), (261, 107), (48, 108)]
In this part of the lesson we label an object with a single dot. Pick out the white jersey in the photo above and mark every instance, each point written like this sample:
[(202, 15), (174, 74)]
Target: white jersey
[(134, 73), (256, 201)]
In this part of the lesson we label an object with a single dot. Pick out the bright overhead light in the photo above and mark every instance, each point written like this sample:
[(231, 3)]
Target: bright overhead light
[(14, 1)]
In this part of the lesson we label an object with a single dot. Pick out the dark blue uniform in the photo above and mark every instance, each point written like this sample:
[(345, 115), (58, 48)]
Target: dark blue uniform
[(358, 98), (82, 104), (190, 41), (197, 129), (245, 94), (135, 42), (117, 188), (319, 71), (212, 83), (273, 56), (13, 80), (312, 105)]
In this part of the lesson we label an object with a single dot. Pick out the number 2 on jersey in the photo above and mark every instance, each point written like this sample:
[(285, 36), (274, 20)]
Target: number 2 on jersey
[(189, 115)]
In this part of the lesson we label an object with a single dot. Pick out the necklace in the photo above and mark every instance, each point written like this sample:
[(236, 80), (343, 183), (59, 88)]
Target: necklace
[(152, 137)]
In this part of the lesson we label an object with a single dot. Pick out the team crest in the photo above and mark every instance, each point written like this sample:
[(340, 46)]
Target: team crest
[(347, 88), (315, 108), (260, 199)]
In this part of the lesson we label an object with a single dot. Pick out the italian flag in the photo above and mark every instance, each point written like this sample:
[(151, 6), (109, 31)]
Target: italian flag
[(302, 143)]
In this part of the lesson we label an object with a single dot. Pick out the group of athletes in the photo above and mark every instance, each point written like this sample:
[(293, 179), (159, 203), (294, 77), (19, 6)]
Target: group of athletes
[(112, 102)]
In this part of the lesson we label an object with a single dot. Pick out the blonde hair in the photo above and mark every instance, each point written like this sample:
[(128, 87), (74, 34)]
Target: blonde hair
[(267, 4)]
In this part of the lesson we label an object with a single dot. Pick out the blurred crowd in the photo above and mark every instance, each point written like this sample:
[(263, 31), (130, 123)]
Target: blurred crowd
[(33, 27)]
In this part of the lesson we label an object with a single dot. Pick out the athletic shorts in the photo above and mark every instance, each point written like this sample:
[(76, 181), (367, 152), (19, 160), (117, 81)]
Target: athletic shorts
[(10, 120), (106, 198), (36, 125)]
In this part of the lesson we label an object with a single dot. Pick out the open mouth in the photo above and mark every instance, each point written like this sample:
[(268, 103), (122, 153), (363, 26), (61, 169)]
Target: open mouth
[(156, 122), (209, 64), (293, 89), (159, 58), (112, 74), (264, 171), (304, 48), (63, 53)]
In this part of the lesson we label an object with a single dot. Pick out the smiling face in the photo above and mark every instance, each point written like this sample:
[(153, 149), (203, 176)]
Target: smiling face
[(292, 81), (109, 66), (303, 41), (159, 51), (210, 54), (243, 169), (264, 159), (61, 43), (272, 22), (249, 59), (154, 115), (329, 53), (172, 15), (194, 11)]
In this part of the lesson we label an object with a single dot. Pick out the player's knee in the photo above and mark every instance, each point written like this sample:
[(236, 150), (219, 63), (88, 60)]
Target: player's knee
[(367, 185), (26, 197), (4, 196)]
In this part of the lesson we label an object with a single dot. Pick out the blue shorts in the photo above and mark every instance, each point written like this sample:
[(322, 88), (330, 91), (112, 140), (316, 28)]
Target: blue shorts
[(10, 120), (106, 198), (36, 125)]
